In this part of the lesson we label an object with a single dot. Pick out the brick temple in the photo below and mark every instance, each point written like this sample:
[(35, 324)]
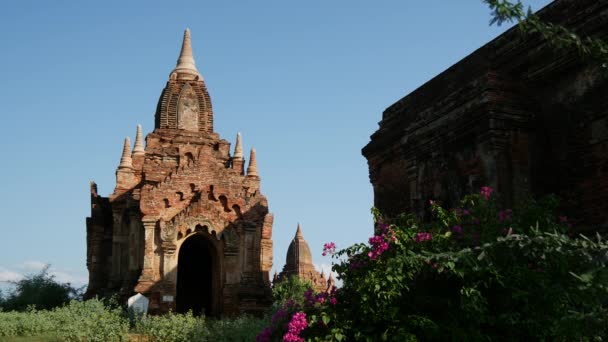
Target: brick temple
[(517, 114), (186, 225), (298, 263)]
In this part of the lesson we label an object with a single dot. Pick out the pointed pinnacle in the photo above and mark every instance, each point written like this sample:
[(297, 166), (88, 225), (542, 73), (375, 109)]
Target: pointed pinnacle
[(185, 62), (299, 234), (238, 148), (252, 169), (125, 160), (138, 149)]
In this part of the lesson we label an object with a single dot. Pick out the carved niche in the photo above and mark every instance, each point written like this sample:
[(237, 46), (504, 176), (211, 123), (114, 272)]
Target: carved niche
[(232, 240), (187, 109)]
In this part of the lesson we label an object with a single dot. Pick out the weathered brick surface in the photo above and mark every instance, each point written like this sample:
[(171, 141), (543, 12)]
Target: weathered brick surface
[(183, 186), (516, 114)]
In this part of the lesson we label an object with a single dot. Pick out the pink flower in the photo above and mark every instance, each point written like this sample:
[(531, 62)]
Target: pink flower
[(382, 227), (333, 301), (308, 295), (320, 298), (329, 248), (294, 328), (457, 229), (379, 246), (264, 336), (504, 215), (486, 192), (421, 237)]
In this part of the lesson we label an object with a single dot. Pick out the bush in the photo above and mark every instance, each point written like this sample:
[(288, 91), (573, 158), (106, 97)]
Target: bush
[(291, 289), (243, 328), (477, 272), (78, 321), (93, 321), (173, 327), (39, 290)]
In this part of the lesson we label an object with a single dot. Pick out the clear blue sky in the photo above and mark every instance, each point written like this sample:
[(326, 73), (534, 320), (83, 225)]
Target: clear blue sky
[(304, 81)]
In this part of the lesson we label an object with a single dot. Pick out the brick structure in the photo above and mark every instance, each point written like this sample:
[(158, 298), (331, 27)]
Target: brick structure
[(185, 225), (299, 264), (517, 115)]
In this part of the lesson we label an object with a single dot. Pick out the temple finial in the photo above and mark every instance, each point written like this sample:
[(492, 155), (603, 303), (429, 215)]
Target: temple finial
[(252, 169), (138, 149), (299, 234), (185, 62), (93, 186), (125, 160), (238, 148)]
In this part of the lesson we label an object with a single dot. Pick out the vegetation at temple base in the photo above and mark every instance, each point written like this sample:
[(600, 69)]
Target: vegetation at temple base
[(476, 272), (43, 309), (94, 320)]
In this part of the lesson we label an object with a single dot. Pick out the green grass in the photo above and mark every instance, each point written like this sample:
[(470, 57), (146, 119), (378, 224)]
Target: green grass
[(30, 339)]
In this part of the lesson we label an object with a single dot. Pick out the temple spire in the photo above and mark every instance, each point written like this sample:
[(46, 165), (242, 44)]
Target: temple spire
[(125, 160), (299, 234), (238, 148), (185, 62), (252, 169), (138, 149)]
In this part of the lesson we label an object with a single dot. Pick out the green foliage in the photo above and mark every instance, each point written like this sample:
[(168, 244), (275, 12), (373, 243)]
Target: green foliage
[(173, 327), (291, 289), (243, 328), (476, 272), (41, 291), (94, 320), (78, 321), (558, 36)]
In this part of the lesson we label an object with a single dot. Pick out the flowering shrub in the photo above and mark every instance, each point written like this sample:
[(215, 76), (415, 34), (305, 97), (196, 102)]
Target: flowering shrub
[(476, 272), (311, 317)]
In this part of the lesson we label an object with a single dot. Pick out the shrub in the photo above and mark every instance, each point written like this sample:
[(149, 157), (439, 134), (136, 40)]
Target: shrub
[(477, 272), (78, 321), (173, 327), (243, 328), (91, 320), (40, 290), (291, 289)]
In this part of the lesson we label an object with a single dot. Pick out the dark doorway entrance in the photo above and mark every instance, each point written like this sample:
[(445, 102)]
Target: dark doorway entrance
[(194, 276)]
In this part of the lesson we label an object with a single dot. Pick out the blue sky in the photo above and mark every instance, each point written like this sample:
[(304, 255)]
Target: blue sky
[(304, 81)]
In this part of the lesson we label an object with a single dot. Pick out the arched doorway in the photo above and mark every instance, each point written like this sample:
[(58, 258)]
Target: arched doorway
[(196, 270)]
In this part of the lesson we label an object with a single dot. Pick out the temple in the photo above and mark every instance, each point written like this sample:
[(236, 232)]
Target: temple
[(518, 114), (299, 264), (186, 225)]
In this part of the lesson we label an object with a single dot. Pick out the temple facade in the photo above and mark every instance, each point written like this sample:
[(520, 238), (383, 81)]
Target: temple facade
[(187, 226), (298, 263), (518, 114)]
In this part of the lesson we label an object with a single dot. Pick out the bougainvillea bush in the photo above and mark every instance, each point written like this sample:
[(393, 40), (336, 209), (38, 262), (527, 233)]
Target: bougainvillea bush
[(475, 272)]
